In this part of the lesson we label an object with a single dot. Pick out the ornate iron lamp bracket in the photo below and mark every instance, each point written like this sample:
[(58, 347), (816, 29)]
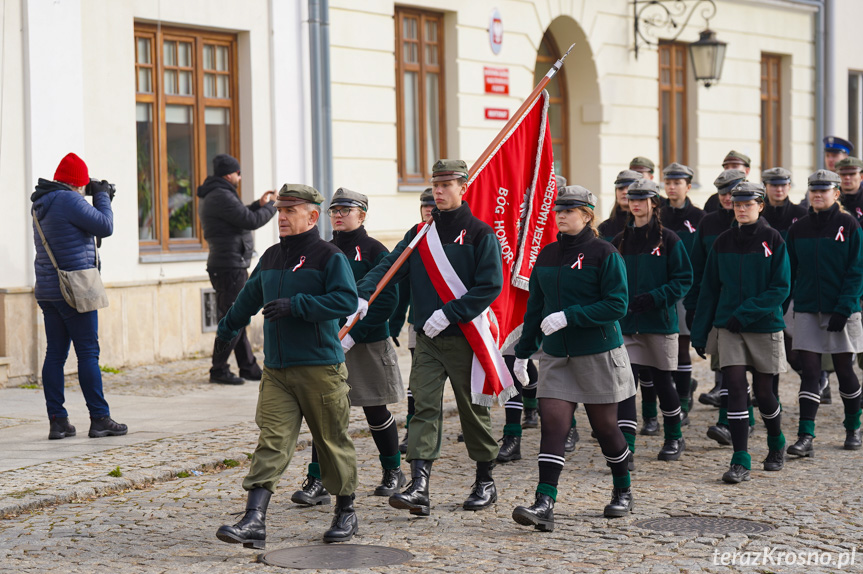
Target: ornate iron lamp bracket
[(653, 16)]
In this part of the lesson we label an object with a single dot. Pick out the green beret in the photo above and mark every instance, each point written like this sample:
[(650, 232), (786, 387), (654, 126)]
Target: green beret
[(427, 197), (849, 165), (344, 196), (297, 193), (728, 179), (643, 163), (736, 156), (447, 169)]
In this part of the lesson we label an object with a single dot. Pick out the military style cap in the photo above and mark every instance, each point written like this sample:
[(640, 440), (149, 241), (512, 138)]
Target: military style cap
[(848, 165), (344, 196), (641, 163), (747, 191), (427, 197), (833, 143), (678, 171), (574, 196), (447, 169), (824, 179), (296, 193), (776, 176), (642, 189), (627, 177), (560, 181), (736, 156), (728, 179)]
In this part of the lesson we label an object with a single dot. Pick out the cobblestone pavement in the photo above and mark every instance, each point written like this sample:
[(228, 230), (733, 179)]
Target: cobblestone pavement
[(168, 524)]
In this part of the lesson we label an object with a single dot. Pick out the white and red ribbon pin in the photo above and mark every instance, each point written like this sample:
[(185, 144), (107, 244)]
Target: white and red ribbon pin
[(859, 213), (300, 264), (460, 238), (840, 236), (767, 251), (359, 255), (689, 226), (578, 261), (656, 251)]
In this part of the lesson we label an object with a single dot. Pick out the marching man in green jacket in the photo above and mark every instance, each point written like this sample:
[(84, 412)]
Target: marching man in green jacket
[(305, 285)]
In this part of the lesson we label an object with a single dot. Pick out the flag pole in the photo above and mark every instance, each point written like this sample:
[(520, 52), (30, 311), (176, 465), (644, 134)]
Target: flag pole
[(483, 158)]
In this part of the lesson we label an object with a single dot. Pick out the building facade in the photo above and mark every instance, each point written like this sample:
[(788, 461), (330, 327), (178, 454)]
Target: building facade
[(148, 91)]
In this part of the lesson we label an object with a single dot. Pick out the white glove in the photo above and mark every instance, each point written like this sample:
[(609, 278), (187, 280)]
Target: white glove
[(520, 370), (362, 307), (435, 324), (552, 323), (347, 343)]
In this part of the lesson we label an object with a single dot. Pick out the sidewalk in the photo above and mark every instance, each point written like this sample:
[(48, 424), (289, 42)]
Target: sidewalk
[(178, 422)]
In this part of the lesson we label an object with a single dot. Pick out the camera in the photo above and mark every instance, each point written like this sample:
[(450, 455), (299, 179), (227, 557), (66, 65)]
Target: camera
[(96, 186)]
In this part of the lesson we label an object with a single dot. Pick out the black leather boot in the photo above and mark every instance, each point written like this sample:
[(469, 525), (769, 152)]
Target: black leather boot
[(650, 427), (803, 446), (483, 493), (312, 493), (720, 433), (775, 460), (250, 531), (621, 503), (693, 386), (672, 449), (531, 419), (852, 439), (571, 438), (540, 514), (344, 524), (106, 426), (392, 480), (510, 449), (736, 474), (60, 428), (416, 496), (711, 397)]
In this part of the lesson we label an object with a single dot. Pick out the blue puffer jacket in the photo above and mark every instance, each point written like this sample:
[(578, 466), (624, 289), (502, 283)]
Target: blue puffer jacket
[(70, 224)]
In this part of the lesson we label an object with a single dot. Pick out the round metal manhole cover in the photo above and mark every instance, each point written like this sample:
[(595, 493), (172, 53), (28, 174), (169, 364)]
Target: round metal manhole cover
[(326, 557), (704, 525)]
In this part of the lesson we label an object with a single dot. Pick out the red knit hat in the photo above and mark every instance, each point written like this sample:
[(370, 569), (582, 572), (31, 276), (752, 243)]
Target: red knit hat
[(72, 170)]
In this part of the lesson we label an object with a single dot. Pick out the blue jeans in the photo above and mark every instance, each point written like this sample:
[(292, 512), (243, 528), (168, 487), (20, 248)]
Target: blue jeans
[(64, 325)]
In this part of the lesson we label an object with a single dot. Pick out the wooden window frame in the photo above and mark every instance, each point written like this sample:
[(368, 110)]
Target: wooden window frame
[(563, 100), (199, 103), (679, 149), (855, 110), (422, 69), (772, 63)]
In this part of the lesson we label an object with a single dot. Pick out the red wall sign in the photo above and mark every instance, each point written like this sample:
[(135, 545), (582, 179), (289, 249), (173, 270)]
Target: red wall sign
[(496, 114), (496, 80)]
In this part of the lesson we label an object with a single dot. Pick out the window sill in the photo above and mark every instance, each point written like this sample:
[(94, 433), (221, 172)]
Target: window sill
[(173, 257), (413, 188)]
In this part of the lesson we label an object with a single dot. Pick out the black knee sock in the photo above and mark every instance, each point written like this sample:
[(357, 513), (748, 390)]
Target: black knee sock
[(849, 389), (648, 393), (627, 421), (669, 402), (385, 434), (776, 386)]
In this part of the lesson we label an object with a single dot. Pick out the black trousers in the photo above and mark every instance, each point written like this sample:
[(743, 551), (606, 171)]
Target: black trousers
[(228, 283)]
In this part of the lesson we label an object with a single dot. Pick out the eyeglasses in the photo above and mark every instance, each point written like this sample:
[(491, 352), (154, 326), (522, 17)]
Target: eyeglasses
[(340, 211)]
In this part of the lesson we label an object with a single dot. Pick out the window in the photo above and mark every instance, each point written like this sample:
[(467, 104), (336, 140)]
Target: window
[(419, 93), (186, 110), (558, 113), (771, 112), (855, 110), (673, 143)]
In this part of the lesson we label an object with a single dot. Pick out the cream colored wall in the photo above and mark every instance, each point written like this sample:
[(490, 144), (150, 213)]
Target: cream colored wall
[(848, 20), (613, 97)]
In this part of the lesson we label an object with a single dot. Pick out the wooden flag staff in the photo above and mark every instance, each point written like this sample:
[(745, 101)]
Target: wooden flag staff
[(489, 151)]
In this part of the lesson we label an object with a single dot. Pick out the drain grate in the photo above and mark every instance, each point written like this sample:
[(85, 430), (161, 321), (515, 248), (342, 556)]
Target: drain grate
[(327, 557), (704, 525)]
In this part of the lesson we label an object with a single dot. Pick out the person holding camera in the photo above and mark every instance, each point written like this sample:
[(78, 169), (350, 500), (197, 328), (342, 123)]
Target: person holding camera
[(62, 218), (228, 226)]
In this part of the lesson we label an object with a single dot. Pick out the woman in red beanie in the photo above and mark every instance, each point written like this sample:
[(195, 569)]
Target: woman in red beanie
[(70, 225)]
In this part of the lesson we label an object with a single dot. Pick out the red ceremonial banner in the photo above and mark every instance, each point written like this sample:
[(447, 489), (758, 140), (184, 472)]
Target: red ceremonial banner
[(513, 191)]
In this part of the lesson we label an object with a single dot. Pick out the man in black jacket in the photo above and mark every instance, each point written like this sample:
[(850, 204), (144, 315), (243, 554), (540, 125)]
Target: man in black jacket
[(228, 226)]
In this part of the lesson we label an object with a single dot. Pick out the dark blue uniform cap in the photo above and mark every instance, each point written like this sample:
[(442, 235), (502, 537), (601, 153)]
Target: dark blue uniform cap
[(833, 143)]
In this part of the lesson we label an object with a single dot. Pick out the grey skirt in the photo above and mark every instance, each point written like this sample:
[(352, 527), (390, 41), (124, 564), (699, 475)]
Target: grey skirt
[(653, 350), (374, 375), (788, 317), (811, 334), (681, 319), (765, 352), (601, 378)]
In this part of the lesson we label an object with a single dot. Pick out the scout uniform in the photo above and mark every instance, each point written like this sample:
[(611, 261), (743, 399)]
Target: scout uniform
[(745, 283), (825, 250), (658, 274), (373, 373), (616, 223), (780, 217), (306, 286), (474, 253), (731, 158), (684, 222), (578, 285)]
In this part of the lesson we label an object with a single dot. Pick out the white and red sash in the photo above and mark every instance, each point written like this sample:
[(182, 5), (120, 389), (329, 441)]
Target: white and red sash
[(490, 380)]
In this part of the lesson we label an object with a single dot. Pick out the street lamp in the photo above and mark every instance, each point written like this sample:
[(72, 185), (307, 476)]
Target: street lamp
[(708, 55)]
